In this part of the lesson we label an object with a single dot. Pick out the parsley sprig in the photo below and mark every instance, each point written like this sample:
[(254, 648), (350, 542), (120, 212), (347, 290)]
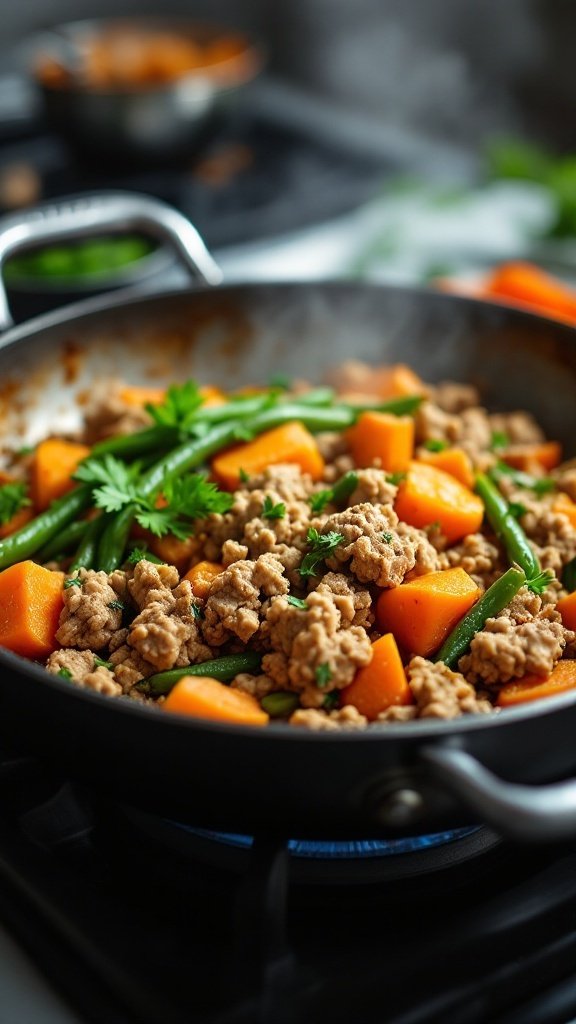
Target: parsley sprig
[(321, 547), (187, 498), (13, 497), (334, 495), (179, 407), (272, 511), (537, 584)]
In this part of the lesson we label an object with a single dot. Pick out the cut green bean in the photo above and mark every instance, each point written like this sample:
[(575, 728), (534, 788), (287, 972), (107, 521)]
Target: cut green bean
[(344, 486), (64, 541), (131, 446), (224, 669), (280, 704), (35, 534), (497, 597), (85, 557), (506, 527), (403, 406)]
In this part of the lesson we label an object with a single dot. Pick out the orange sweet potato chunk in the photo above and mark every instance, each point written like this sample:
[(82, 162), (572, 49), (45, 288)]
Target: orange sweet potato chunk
[(454, 461), (205, 697), (53, 464), (291, 442), (201, 576), (423, 612), (382, 439), (31, 599), (561, 679), (381, 683), (398, 380), (545, 455), (429, 495), (567, 608)]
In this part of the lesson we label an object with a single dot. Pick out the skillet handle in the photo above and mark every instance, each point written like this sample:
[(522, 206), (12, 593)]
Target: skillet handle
[(526, 813), (82, 216)]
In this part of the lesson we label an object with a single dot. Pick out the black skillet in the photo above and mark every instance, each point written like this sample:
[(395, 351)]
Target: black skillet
[(403, 779)]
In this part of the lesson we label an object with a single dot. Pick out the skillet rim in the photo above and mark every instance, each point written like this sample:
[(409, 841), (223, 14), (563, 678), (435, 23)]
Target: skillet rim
[(422, 730)]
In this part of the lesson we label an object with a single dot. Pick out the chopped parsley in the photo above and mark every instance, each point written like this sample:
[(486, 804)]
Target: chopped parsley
[(244, 476), (100, 663), (434, 444), (323, 675), (72, 581), (115, 485), (297, 602), (139, 554), (499, 439), (539, 583), (331, 700), (196, 611), (321, 547), (395, 478), (569, 576), (13, 497), (26, 449), (65, 673), (334, 495), (272, 511), (387, 537), (117, 605), (179, 407)]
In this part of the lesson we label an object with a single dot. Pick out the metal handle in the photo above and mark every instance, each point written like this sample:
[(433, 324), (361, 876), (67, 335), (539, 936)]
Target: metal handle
[(81, 216), (527, 813)]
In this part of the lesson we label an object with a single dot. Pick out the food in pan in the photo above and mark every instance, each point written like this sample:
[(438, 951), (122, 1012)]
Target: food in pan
[(341, 557)]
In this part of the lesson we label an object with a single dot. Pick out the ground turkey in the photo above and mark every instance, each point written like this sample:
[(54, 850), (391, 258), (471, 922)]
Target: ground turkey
[(347, 717), (79, 667), (91, 613), (239, 597), (438, 693), (372, 548), (352, 600), (479, 557), (311, 651), (373, 487), (108, 414), (526, 637)]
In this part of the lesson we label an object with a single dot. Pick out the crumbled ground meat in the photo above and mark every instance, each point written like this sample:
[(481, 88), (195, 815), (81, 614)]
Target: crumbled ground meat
[(373, 487), (89, 619), (552, 534), (453, 397), (257, 686), (565, 477), (152, 584), (374, 550), (311, 652), (108, 414), (129, 667), (331, 445), (239, 596), (425, 553), (165, 633), (334, 470), (329, 721), (518, 427), (470, 429), (479, 557), (83, 671), (526, 637), (438, 693), (354, 377), (352, 601), (287, 479)]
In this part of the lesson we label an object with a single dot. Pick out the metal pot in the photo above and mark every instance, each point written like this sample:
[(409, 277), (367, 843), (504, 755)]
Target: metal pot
[(409, 778)]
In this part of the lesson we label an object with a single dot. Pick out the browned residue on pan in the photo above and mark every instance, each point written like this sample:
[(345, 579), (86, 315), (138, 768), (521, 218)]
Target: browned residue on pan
[(71, 357)]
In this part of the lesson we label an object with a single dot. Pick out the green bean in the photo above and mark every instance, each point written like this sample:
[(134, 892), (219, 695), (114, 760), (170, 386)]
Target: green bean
[(569, 576), (344, 486), (492, 601), (85, 557), (223, 669), (130, 446), (402, 406), (280, 704), (506, 527), (64, 541), (35, 534)]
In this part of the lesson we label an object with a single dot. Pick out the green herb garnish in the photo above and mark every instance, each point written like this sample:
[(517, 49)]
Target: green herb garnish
[(72, 581), (321, 547), (179, 407), (100, 663), (569, 576), (197, 611), (331, 700), (387, 537), (65, 673), (323, 675), (244, 476), (297, 602), (272, 511), (13, 497), (537, 584), (539, 484), (435, 445), (395, 478), (499, 439), (141, 554), (118, 606), (334, 495)]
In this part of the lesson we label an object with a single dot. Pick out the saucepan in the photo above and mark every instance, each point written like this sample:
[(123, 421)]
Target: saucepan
[(512, 770)]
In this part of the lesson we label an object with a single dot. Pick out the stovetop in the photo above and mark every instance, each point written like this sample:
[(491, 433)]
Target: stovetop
[(136, 919)]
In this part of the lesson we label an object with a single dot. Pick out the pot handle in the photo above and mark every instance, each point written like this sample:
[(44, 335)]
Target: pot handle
[(82, 216), (526, 813)]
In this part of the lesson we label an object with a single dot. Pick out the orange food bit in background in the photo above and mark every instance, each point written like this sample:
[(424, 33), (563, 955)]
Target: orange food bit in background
[(381, 683), (288, 443), (379, 438), (528, 457), (205, 697), (567, 608), (399, 380), (53, 463), (560, 680), (566, 507), (525, 285), (422, 613), (31, 599), (202, 575), (429, 495)]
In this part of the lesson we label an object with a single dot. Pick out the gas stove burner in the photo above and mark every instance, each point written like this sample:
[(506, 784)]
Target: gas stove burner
[(325, 862)]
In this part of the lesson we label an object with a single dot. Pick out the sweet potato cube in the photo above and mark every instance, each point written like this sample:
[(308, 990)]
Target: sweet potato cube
[(205, 697), (53, 464), (31, 599), (429, 495), (423, 612), (381, 683), (379, 438), (291, 442)]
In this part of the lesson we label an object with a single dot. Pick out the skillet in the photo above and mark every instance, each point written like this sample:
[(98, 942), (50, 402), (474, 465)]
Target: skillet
[(511, 770)]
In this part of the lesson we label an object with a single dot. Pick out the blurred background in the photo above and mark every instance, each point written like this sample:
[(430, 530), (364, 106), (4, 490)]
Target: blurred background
[(421, 142)]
